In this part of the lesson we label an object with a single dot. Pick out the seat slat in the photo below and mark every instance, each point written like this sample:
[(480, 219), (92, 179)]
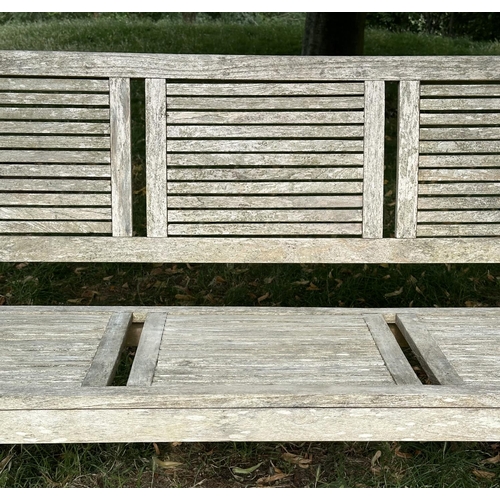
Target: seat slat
[(470, 188), (447, 90), (456, 203), (459, 161), (55, 84), (439, 147), (480, 216), (463, 104), (53, 142), (54, 227), (463, 174), (450, 230), (54, 170), (54, 199), (53, 156), (250, 103), (37, 99), (54, 213), (76, 128), (73, 114), (459, 133), (75, 185), (459, 119)]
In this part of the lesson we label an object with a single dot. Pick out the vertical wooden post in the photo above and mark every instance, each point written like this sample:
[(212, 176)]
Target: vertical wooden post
[(407, 169), (156, 157), (373, 154), (121, 156)]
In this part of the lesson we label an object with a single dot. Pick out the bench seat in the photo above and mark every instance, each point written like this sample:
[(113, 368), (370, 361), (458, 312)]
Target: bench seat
[(211, 374)]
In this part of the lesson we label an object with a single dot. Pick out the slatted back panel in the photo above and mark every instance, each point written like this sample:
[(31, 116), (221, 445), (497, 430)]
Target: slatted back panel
[(260, 159), (55, 156), (458, 160)]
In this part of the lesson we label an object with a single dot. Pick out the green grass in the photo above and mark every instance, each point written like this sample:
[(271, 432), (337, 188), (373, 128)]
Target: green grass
[(204, 465)]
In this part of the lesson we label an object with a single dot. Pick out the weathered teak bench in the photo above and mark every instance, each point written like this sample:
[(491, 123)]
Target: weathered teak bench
[(249, 159)]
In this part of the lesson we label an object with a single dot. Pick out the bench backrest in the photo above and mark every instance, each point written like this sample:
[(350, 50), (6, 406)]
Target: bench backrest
[(248, 158)]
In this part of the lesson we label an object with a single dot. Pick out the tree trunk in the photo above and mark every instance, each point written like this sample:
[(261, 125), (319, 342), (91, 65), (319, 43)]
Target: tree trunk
[(334, 34)]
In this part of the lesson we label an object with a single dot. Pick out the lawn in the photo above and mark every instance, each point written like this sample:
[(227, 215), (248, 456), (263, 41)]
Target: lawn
[(243, 464)]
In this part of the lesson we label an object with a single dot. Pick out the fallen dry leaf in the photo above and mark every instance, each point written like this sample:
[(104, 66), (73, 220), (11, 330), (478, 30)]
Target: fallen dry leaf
[(272, 479), (301, 282), (263, 297), (312, 286), (482, 474), (2, 300), (402, 454), (249, 470), (157, 449), (165, 464), (297, 459), (492, 460), (376, 457), (395, 293), (180, 296), (5, 462)]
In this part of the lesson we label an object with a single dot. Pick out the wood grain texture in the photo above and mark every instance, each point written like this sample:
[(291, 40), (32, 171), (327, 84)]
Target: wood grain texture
[(53, 156), (55, 170), (459, 202), (54, 113), (105, 362), (450, 90), (432, 359), (459, 216), (54, 142), (54, 84), (54, 213), (75, 185), (373, 154), (37, 99), (450, 230), (459, 161), (438, 147), (145, 360), (66, 128), (459, 133), (464, 188), (121, 160), (55, 199), (464, 104), (52, 226), (250, 250), (459, 175), (156, 157), (408, 160), (262, 131)]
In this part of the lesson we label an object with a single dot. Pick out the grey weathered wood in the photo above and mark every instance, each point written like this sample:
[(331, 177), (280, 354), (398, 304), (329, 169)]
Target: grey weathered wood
[(54, 199), (93, 185), (246, 67), (267, 89), (76, 128), (459, 230), (251, 103), (54, 113), (257, 215), (105, 362), (297, 187), (459, 133), (311, 201), (262, 146), (156, 153), (269, 173), (407, 173), (143, 368), (267, 131), (393, 356), (432, 359), (373, 154), (36, 99), (54, 156), (249, 250), (455, 202), (463, 216), (438, 147), (54, 170), (52, 226), (263, 117), (52, 213), (459, 175), (54, 142), (268, 159), (121, 160), (459, 161), (474, 104), (265, 229), (460, 90), (475, 188), (54, 84)]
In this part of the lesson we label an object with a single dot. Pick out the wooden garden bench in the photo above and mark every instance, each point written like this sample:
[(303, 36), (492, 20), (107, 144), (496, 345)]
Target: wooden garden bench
[(259, 160)]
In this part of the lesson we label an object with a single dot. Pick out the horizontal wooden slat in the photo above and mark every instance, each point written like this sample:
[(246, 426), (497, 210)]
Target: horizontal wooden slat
[(249, 250), (264, 103), (23, 170), (461, 216), (264, 187), (463, 174), (261, 117), (271, 159), (460, 104), (458, 203), (249, 67), (317, 215), (53, 142), (261, 131), (54, 114), (470, 188), (54, 199), (459, 119), (459, 230), (262, 146), (265, 201), (54, 227), (263, 89), (52, 213), (235, 174), (77, 128), (13, 98), (431, 147), (447, 90), (264, 229), (459, 161), (55, 185), (54, 84), (462, 133), (59, 156)]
